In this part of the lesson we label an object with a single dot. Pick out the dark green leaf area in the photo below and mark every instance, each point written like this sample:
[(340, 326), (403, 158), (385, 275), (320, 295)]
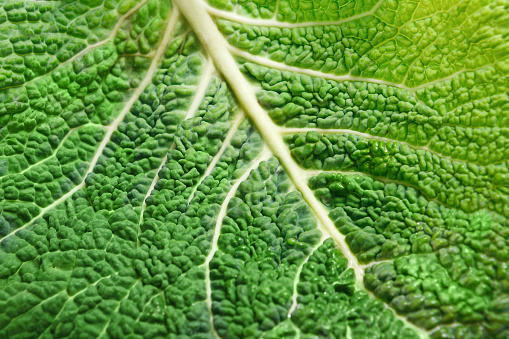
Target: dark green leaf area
[(23, 195), (179, 216), (85, 270), (144, 30), (71, 266), (385, 221), (125, 170), (177, 226), (455, 287), (450, 267), (455, 184), (53, 127), (265, 237), (330, 304)]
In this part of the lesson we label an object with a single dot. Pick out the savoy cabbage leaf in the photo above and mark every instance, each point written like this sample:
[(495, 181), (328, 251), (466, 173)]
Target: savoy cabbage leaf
[(254, 169)]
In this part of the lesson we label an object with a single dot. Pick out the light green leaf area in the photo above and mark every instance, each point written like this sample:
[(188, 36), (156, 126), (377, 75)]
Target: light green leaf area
[(254, 169)]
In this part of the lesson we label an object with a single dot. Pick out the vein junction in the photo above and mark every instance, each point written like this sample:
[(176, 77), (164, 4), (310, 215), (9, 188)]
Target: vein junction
[(212, 39), (217, 47)]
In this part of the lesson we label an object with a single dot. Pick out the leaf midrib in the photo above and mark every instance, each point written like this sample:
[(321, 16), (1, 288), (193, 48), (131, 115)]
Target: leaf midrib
[(217, 47), (214, 43)]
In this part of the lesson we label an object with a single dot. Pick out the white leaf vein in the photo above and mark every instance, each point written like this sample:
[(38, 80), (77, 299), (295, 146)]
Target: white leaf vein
[(170, 25)]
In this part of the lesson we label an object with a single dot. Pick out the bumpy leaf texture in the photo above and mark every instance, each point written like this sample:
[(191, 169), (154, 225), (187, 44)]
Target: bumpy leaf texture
[(254, 168)]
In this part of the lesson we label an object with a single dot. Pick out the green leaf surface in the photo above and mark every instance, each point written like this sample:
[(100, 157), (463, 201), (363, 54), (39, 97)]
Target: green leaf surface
[(254, 169)]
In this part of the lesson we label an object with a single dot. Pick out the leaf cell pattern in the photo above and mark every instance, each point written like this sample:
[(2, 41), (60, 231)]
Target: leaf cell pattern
[(247, 169)]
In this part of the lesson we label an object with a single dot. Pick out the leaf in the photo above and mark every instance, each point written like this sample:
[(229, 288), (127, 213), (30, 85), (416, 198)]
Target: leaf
[(244, 169)]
